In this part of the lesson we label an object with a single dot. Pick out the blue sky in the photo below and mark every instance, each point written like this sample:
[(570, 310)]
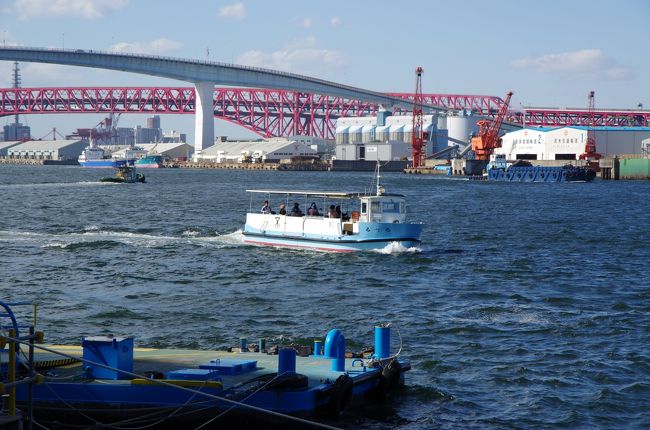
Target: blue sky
[(550, 53)]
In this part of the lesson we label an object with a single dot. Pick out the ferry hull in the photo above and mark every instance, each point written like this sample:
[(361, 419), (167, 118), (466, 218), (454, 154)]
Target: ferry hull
[(107, 163), (103, 163), (148, 165), (368, 236)]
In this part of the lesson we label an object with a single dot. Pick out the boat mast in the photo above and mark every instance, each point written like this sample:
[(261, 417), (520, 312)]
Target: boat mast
[(380, 189)]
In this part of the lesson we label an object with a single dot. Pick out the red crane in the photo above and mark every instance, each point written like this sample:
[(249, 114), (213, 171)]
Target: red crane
[(417, 135), (590, 148), (488, 132)]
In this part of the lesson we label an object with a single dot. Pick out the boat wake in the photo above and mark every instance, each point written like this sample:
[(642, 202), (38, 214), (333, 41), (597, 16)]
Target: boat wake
[(94, 237), (55, 185), (396, 248)]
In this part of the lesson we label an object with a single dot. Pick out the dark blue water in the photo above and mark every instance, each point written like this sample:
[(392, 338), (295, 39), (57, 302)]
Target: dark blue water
[(527, 305)]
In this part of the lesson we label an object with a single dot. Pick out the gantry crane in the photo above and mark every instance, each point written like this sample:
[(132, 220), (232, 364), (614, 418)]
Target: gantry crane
[(417, 135), (488, 132), (590, 148)]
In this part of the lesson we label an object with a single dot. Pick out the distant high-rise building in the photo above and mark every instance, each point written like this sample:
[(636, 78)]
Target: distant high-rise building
[(174, 137), (153, 121), (124, 136), (147, 135), (16, 132)]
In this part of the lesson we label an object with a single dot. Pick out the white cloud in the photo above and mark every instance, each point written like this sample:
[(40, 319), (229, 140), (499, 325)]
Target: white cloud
[(236, 11), (157, 46), (304, 22), (300, 57), (87, 9), (583, 63), (43, 74), (335, 21)]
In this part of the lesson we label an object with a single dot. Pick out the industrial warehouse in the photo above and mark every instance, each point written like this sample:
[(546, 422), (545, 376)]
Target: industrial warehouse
[(256, 151), (567, 143)]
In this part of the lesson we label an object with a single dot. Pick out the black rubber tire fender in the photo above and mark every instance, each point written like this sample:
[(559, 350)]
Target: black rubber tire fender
[(341, 396)]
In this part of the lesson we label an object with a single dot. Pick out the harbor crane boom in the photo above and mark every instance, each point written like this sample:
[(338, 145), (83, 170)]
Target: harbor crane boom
[(488, 134)]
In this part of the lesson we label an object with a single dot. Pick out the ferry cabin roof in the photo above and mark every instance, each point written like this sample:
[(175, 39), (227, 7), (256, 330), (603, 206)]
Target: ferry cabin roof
[(327, 194)]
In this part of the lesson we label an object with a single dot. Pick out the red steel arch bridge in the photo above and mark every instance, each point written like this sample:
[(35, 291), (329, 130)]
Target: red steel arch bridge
[(281, 113)]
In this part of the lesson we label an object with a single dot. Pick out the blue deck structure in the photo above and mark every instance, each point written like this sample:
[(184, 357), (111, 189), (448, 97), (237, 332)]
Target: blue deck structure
[(106, 381)]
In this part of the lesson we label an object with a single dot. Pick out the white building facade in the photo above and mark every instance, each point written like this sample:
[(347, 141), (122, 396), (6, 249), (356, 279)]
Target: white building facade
[(568, 143)]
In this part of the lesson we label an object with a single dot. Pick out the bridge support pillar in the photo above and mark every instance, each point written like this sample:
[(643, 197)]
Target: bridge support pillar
[(204, 116)]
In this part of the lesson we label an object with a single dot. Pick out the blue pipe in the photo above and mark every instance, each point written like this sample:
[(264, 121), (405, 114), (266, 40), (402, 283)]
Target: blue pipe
[(382, 342), (335, 348), (318, 347)]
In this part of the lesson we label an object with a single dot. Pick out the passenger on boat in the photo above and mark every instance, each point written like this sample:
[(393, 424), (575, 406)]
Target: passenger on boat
[(266, 209), (283, 209), (338, 211), (313, 210), (295, 210), (332, 212)]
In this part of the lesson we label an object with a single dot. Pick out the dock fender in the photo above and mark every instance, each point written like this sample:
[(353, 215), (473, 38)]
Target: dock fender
[(341, 396), (388, 381)]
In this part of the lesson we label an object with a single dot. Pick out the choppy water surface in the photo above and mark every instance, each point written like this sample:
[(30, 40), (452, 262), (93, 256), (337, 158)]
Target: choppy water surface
[(527, 305)]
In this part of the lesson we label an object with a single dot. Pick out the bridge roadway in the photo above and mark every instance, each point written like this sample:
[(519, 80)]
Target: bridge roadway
[(203, 74)]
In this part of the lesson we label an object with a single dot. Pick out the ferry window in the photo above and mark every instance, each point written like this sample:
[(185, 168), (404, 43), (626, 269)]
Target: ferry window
[(402, 207), (364, 207), (375, 207), (390, 207)]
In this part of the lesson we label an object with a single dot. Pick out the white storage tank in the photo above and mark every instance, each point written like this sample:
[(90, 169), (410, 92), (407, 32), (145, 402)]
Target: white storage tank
[(459, 128), (442, 122), (355, 134), (368, 133), (397, 133), (382, 133), (342, 137), (408, 133)]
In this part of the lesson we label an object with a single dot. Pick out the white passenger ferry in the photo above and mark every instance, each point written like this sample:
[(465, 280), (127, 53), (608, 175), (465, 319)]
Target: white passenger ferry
[(375, 221)]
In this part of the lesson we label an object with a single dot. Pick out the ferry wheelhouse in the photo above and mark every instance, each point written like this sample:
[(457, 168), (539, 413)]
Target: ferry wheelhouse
[(375, 222)]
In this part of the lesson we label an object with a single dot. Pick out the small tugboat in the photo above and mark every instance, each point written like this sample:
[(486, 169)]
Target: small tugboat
[(378, 221), (524, 171), (124, 175), (108, 383)]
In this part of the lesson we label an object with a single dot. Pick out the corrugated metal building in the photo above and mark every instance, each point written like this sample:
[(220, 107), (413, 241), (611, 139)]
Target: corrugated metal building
[(174, 151), (48, 149), (270, 150), (4, 147)]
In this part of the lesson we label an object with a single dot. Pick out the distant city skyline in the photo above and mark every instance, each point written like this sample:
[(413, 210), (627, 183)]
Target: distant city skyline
[(549, 53)]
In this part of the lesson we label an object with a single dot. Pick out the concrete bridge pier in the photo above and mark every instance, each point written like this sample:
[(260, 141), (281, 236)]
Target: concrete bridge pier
[(204, 116)]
